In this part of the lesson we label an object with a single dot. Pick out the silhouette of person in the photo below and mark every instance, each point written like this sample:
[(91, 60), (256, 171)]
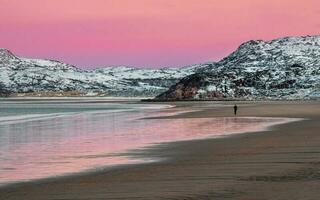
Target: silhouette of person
[(235, 109)]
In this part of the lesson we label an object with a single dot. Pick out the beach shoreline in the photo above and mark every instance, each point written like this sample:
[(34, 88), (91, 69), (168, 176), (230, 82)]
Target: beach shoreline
[(229, 167)]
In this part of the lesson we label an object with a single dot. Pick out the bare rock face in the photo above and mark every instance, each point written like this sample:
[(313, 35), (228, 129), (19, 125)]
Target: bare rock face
[(287, 68), (3, 91), (187, 88)]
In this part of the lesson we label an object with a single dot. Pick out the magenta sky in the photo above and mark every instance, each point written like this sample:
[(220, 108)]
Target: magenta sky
[(150, 33)]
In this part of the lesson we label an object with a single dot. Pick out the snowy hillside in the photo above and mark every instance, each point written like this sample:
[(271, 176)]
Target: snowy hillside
[(286, 68), (22, 75)]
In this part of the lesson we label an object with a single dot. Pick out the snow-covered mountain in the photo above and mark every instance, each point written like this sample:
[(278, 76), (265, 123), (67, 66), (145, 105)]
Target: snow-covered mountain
[(22, 75), (286, 68)]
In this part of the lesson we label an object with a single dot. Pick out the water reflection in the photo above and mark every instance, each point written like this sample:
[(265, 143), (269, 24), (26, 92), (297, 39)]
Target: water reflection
[(55, 146)]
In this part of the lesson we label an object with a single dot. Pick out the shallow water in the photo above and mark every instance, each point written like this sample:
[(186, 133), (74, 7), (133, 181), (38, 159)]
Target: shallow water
[(45, 139)]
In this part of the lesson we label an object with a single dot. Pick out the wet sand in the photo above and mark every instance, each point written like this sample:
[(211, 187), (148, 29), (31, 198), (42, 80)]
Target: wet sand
[(283, 163)]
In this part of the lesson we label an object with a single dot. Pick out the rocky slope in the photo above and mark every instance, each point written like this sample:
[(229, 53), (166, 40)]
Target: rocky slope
[(286, 68), (22, 75)]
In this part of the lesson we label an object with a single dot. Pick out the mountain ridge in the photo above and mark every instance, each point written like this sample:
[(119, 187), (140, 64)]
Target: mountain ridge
[(284, 68), (25, 75)]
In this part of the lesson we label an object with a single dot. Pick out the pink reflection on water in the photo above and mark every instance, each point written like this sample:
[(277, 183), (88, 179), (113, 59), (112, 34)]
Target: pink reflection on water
[(45, 148)]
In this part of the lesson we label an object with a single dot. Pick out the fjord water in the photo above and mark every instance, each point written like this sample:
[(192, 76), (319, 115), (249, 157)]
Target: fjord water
[(40, 139)]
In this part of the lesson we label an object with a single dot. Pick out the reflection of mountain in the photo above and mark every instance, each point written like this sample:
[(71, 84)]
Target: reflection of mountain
[(287, 68), (35, 75)]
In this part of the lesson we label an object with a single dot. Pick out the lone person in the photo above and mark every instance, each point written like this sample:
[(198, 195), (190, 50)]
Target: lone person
[(235, 109)]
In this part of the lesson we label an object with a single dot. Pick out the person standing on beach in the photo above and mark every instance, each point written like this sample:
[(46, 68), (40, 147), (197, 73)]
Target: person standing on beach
[(235, 109)]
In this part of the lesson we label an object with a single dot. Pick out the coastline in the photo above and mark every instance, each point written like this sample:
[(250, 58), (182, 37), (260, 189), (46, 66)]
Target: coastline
[(228, 167)]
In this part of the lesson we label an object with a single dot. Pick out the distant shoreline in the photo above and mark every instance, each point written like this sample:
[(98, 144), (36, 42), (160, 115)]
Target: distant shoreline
[(228, 100), (149, 100)]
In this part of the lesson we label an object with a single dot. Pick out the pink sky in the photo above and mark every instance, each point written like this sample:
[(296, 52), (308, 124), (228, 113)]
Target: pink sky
[(150, 33)]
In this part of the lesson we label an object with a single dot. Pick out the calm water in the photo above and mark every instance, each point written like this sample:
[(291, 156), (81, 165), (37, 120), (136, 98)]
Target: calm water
[(53, 138)]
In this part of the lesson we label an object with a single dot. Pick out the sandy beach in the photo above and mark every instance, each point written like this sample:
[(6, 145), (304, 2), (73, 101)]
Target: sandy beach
[(281, 163)]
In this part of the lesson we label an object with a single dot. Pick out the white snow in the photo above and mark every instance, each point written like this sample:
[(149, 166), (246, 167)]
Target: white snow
[(37, 75)]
